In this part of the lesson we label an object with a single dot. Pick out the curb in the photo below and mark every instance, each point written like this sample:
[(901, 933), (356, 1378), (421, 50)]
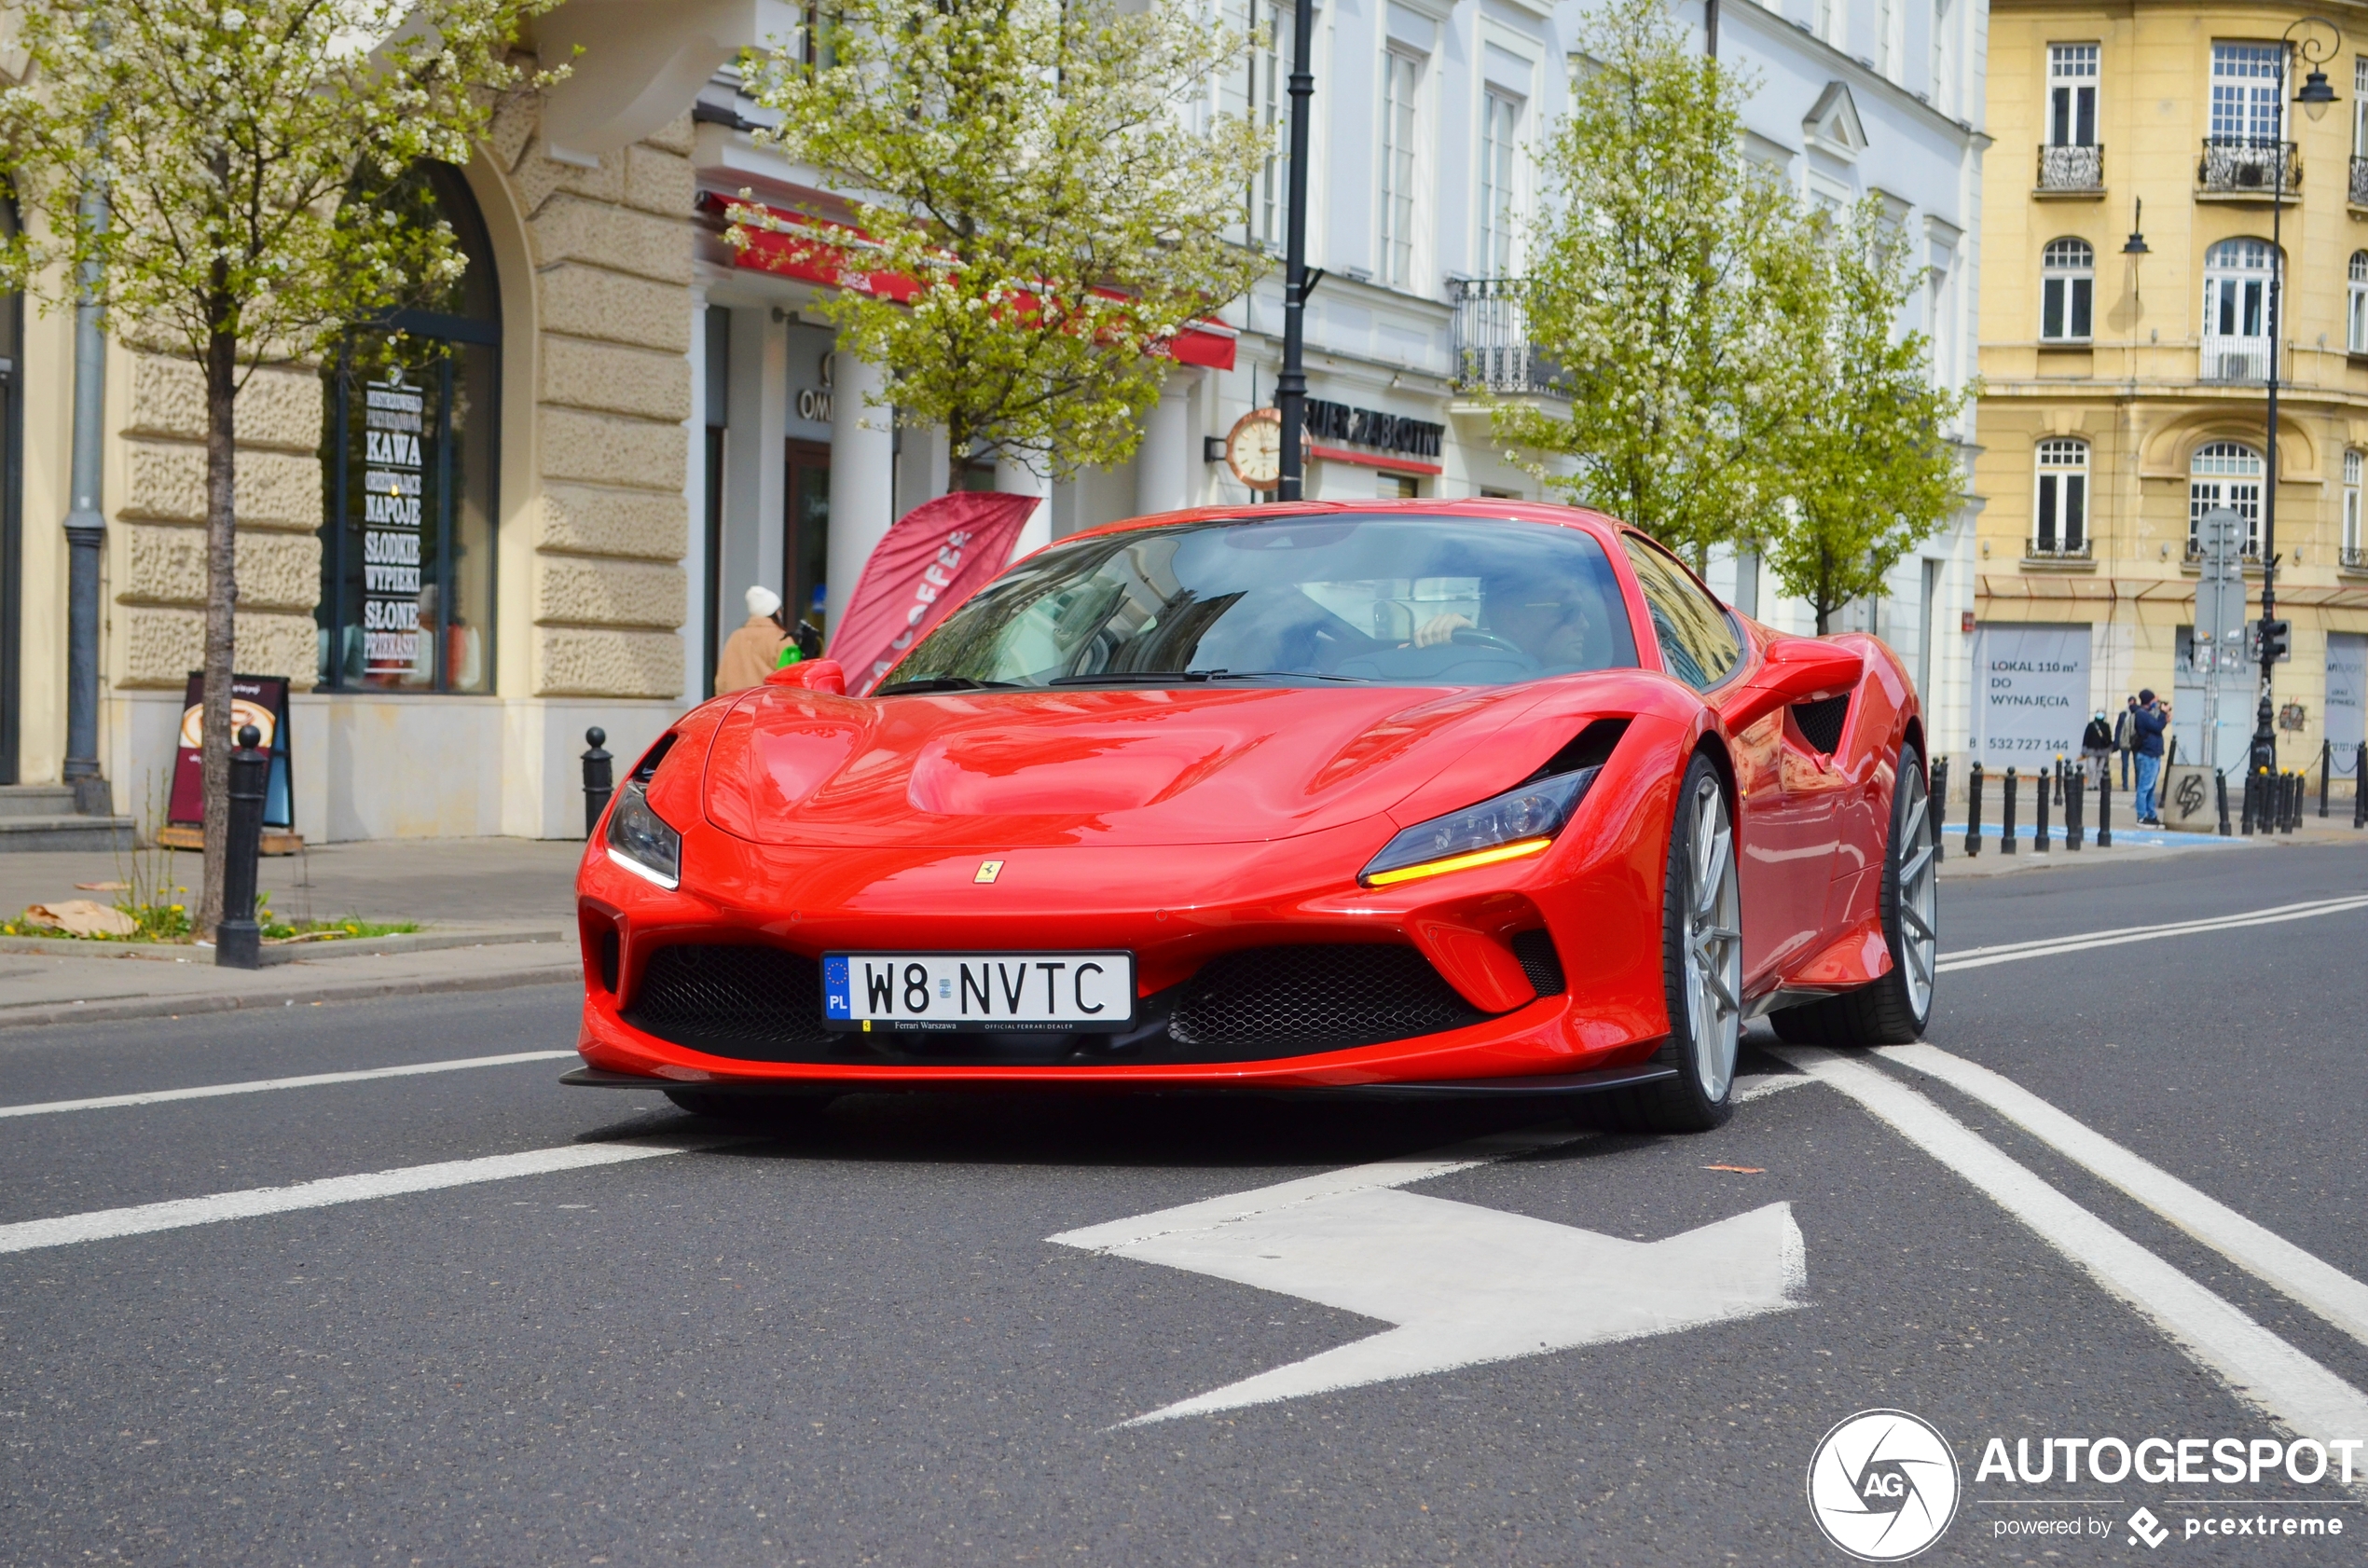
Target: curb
[(51, 1013), (275, 954)]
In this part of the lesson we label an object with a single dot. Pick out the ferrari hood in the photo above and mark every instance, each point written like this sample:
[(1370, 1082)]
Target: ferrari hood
[(1097, 766)]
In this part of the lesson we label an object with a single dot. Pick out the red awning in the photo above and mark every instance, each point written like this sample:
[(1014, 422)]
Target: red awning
[(1209, 344)]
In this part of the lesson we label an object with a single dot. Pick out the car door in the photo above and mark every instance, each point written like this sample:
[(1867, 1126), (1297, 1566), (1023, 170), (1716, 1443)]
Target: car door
[(1781, 849)]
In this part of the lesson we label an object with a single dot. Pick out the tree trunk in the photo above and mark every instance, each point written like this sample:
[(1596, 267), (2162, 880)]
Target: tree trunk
[(221, 608)]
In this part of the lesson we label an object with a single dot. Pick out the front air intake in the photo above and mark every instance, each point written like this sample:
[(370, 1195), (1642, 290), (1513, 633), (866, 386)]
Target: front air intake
[(1317, 997)]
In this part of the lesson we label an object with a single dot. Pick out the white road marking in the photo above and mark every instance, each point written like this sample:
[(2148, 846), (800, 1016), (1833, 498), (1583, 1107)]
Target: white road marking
[(258, 1086), (1773, 1083), (1462, 1285), (106, 1224), (2325, 1289), (2258, 1366), (2014, 952)]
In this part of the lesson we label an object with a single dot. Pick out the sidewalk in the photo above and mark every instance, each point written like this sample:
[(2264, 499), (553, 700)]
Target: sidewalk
[(493, 912), (2130, 844)]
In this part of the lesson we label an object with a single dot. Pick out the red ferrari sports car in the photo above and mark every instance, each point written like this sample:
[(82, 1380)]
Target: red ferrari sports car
[(1404, 795)]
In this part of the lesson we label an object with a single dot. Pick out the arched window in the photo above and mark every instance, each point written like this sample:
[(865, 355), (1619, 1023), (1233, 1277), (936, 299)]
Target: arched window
[(2237, 274), (2067, 289), (2059, 520), (2356, 334), (406, 552), (2224, 473)]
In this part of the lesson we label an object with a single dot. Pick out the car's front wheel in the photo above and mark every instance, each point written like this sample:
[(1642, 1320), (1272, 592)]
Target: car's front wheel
[(1701, 967), (1893, 1009)]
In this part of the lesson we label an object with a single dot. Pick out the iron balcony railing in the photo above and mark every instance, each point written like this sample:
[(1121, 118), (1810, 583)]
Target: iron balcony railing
[(2233, 359), (2248, 165), (2056, 550), (2359, 182), (2071, 168), (1493, 348), (2352, 557)]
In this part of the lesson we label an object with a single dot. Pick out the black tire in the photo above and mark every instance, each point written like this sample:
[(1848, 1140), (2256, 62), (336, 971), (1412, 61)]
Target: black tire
[(752, 1109), (1701, 1095), (1886, 1012)]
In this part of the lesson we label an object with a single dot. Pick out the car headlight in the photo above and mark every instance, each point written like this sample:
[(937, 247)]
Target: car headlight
[(641, 843), (1506, 827)]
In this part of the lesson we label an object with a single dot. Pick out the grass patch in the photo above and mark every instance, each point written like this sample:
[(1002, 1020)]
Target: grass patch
[(156, 921)]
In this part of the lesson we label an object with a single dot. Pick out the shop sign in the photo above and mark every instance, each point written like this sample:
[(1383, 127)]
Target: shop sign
[(2031, 697), (391, 512), (1371, 427)]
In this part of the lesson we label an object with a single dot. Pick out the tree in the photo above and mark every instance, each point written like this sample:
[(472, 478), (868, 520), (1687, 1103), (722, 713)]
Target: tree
[(239, 149), (1663, 276), (1041, 177), (1868, 474)]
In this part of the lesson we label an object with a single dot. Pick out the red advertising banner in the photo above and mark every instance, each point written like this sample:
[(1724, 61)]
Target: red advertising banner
[(260, 700), (933, 557)]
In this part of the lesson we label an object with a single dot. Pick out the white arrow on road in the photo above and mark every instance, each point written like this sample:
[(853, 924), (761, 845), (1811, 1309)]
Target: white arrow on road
[(1462, 1285)]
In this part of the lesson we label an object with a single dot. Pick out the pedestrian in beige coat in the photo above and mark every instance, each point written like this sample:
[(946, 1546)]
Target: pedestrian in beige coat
[(750, 654)]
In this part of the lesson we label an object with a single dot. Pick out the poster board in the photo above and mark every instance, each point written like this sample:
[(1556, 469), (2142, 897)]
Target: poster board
[(260, 700), (2031, 692)]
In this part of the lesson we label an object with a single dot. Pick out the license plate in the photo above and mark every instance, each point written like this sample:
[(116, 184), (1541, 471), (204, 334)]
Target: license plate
[(980, 991)]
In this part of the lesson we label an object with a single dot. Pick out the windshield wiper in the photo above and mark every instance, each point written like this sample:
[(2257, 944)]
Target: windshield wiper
[(1190, 677), (944, 683)]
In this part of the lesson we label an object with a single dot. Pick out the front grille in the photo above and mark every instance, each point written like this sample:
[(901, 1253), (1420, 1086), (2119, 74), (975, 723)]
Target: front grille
[(762, 1004), (1821, 722), (1540, 962), (754, 1004), (1316, 997)]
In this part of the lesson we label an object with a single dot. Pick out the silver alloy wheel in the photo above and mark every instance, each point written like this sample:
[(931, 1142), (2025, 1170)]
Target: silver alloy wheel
[(1714, 943), (1919, 885)]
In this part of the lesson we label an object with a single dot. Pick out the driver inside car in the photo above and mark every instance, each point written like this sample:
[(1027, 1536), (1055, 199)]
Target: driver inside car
[(1545, 618)]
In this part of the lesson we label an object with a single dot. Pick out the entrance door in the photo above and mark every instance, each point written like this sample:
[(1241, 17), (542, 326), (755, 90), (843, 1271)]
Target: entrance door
[(806, 532)]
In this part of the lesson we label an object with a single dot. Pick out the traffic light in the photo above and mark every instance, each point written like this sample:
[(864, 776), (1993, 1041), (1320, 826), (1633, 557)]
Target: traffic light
[(2277, 641)]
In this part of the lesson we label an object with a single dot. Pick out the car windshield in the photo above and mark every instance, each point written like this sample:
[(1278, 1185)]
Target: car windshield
[(1398, 599)]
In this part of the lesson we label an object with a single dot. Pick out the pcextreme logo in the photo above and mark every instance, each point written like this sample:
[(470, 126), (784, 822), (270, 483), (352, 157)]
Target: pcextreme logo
[(1883, 1485)]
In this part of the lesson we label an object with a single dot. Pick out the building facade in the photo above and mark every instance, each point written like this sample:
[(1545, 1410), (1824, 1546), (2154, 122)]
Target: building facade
[(2127, 337), (542, 513)]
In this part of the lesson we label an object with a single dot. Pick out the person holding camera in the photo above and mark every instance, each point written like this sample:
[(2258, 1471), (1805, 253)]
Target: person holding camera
[(2147, 724)]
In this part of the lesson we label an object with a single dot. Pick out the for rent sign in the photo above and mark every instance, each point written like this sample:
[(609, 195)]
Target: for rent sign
[(2031, 696)]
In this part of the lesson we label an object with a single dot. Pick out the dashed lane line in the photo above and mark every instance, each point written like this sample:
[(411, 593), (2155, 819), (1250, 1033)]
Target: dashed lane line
[(258, 1086), (2320, 1286), (2014, 952), (106, 1224), (2258, 1366)]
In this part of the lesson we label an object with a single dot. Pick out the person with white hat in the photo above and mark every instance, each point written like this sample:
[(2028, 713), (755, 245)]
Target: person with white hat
[(753, 652)]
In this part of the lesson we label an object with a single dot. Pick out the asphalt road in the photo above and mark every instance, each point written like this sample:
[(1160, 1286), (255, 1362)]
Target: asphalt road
[(854, 1342)]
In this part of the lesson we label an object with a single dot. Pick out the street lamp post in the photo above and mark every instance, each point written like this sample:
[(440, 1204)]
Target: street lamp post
[(1290, 386), (2314, 96)]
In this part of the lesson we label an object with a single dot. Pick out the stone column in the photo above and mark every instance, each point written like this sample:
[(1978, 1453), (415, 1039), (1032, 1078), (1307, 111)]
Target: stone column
[(1018, 478), (862, 475), (694, 479), (1163, 463)]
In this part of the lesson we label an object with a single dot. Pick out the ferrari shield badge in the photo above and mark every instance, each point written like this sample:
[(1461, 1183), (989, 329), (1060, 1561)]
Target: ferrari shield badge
[(988, 871)]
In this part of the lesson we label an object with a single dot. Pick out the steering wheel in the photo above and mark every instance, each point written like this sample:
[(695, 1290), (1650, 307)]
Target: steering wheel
[(1472, 637)]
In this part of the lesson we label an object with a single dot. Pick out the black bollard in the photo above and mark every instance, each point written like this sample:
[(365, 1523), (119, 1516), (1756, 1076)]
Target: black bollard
[(2075, 804), (2105, 809), (1973, 809), (599, 781), (2326, 765), (237, 942), (2294, 800), (2360, 786), (2252, 801), (2006, 816), (1939, 798), (2220, 782), (2039, 818)]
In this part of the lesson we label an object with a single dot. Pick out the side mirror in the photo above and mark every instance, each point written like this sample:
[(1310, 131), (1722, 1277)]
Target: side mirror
[(1794, 669), (814, 674)]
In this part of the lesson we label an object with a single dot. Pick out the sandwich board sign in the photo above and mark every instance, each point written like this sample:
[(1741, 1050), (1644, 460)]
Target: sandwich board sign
[(260, 700)]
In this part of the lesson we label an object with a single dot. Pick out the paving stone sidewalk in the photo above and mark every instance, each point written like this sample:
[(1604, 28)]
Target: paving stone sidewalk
[(495, 911)]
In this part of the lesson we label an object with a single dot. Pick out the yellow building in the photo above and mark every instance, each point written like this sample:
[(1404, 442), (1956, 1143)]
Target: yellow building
[(2123, 352)]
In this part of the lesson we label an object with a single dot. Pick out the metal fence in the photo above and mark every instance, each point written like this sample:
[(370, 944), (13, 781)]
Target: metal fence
[(1493, 348), (2071, 168), (2248, 164)]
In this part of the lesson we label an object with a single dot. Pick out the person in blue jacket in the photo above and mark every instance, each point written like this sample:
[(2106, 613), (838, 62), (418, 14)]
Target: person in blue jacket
[(2147, 724)]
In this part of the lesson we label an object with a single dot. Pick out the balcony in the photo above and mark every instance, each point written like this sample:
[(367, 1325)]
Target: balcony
[(2046, 551), (2072, 171), (2352, 557), (2359, 182), (2235, 361), (1493, 350), (2247, 165)]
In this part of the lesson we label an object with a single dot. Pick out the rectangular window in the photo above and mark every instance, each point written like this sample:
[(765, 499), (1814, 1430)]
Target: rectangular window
[(2244, 92), (2064, 305), (1269, 110), (2359, 106), (1887, 36), (2072, 95), (1944, 89), (2063, 514), (2351, 509), (1500, 123), (1401, 77)]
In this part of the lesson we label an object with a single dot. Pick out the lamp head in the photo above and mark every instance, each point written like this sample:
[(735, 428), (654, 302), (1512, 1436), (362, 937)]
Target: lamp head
[(2316, 94)]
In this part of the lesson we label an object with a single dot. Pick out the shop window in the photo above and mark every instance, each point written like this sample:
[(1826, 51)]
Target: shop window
[(408, 464)]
